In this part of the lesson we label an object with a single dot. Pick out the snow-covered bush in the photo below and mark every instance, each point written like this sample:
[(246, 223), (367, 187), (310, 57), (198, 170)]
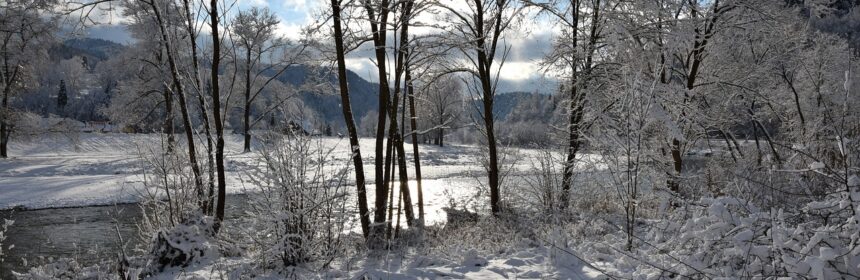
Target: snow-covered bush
[(730, 238), (543, 189), (3, 229), (67, 268), (485, 236), (190, 242), (299, 203), (169, 196), (177, 234)]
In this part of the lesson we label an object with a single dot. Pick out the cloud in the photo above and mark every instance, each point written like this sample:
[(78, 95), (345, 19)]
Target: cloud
[(292, 31), (115, 33), (295, 5), (255, 3), (364, 67)]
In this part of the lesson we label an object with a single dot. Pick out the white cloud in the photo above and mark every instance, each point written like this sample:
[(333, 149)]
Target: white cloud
[(519, 70), (363, 67), (255, 3), (295, 5), (292, 31)]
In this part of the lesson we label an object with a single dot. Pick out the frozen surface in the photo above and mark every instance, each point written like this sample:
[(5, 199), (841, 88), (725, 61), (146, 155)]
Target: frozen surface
[(100, 169)]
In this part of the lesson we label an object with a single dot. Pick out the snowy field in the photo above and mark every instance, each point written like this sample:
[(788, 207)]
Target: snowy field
[(104, 169)]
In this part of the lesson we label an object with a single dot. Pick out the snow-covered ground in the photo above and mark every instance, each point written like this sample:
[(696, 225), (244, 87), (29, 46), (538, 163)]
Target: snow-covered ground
[(518, 263), (56, 172), (101, 169)]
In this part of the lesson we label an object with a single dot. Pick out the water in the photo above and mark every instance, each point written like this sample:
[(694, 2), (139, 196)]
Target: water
[(89, 234), (85, 233)]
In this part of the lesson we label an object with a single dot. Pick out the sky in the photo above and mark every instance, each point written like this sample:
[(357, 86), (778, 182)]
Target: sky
[(521, 72)]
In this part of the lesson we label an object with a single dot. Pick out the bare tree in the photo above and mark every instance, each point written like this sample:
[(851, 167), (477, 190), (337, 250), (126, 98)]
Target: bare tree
[(179, 88), (192, 30), (477, 32), (441, 101), (378, 27), (687, 65), (349, 118), (378, 17), (254, 30), (214, 19), (577, 62)]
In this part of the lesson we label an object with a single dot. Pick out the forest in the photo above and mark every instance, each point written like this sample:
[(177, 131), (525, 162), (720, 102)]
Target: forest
[(429, 139)]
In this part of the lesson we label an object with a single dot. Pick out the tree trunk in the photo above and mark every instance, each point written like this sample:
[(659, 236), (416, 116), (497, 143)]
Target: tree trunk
[(204, 115), (389, 169), (697, 56), (575, 110), (246, 120), (168, 119), (413, 124), (180, 94), (4, 138), (440, 137), (577, 98), (350, 121), (216, 113), (386, 177), (404, 179), (397, 152), (384, 96), (493, 168), (4, 127), (192, 150), (398, 136), (485, 63)]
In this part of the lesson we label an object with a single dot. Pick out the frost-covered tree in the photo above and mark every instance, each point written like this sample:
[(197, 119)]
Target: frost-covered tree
[(265, 57), (441, 104), (24, 37), (575, 55), (477, 30)]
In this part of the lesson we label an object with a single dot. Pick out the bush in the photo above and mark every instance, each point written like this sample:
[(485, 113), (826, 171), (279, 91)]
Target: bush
[(3, 228), (190, 242), (298, 205), (730, 238)]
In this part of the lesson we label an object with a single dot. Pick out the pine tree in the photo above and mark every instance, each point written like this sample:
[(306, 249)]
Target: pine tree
[(62, 96)]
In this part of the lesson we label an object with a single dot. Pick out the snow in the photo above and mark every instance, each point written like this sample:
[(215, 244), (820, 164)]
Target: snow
[(816, 166), (854, 181), (526, 263), (100, 169), (58, 170), (55, 172)]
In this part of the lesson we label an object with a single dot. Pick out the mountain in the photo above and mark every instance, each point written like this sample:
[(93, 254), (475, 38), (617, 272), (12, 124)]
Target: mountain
[(364, 95), (505, 104), (93, 50)]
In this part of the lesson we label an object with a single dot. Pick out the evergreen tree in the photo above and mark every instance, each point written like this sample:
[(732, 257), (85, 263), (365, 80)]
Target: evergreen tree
[(62, 96)]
